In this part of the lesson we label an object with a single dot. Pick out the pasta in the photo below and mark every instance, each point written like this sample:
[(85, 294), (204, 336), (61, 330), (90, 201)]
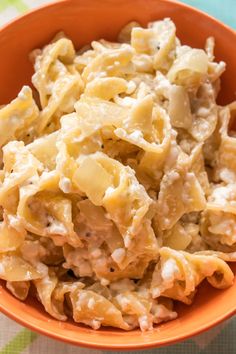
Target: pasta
[(117, 188)]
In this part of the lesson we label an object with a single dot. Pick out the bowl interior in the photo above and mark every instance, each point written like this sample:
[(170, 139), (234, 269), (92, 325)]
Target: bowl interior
[(84, 21), (210, 306)]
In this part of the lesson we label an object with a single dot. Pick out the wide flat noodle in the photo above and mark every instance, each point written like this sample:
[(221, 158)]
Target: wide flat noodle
[(57, 82), (179, 273), (15, 268), (101, 312), (117, 179), (19, 119), (45, 288), (225, 167), (180, 193)]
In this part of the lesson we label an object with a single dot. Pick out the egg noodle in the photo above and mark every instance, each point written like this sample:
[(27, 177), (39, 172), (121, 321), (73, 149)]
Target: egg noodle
[(118, 179)]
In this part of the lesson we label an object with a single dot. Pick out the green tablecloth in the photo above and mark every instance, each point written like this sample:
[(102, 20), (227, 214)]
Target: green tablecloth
[(14, 339)]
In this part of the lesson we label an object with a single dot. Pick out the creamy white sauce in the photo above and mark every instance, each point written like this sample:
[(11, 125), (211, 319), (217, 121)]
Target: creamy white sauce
[(2, 269), (169, 270), (131, 87), (118, 255), (145, 323), (104, 281), (65, 184)]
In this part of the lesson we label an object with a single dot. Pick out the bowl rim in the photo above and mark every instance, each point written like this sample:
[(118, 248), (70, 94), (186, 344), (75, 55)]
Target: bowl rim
[(124, 347), (91, 344), (28, 13)]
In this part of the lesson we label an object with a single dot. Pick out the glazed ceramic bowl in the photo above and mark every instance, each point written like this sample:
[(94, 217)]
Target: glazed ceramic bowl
[(84, 21)]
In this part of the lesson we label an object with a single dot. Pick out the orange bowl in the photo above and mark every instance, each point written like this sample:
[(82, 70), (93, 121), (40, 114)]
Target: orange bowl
[(84, 21)]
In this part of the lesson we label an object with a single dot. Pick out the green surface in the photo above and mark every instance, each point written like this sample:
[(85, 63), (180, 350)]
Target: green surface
[(18, 4), (19, 342)]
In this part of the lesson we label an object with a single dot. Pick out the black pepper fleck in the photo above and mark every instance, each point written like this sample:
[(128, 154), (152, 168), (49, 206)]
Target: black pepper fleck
[(71, 273), (112, 270), (88, 234)]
